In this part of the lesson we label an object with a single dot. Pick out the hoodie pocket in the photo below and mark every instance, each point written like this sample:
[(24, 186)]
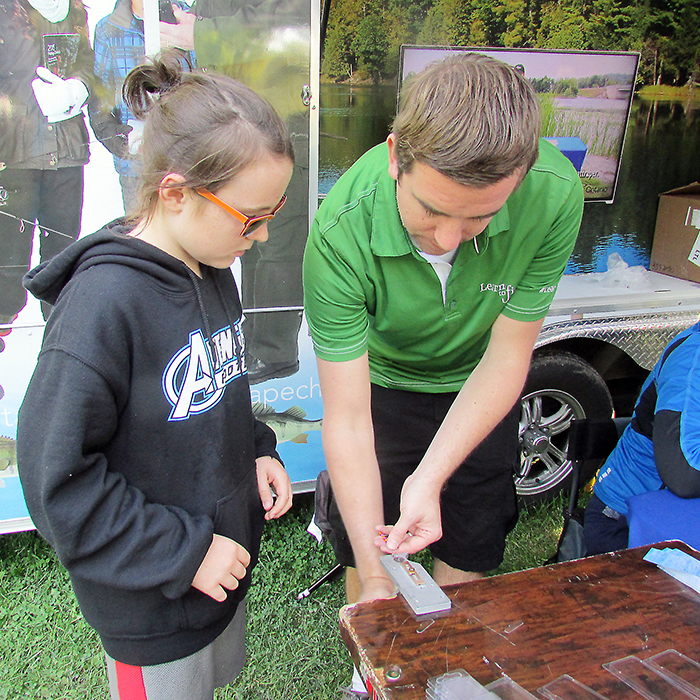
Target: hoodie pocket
[(240, 517)]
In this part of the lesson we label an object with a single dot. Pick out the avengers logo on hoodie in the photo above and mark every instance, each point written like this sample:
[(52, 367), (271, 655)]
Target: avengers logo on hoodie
[(195, 379)]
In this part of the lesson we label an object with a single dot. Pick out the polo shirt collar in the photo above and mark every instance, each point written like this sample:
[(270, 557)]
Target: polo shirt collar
[(389, 238), (499, 223)]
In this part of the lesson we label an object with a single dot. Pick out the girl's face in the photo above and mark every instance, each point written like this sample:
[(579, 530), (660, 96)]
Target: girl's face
[(205, 233)]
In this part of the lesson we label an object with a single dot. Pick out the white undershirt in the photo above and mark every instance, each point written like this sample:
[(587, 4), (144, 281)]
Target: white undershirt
[(442, 264)]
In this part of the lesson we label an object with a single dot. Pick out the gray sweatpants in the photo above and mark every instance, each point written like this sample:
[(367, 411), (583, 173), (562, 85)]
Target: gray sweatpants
[(193, 678)]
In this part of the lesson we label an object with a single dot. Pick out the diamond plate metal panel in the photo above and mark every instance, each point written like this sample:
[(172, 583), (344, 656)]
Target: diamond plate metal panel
[(642, 336)]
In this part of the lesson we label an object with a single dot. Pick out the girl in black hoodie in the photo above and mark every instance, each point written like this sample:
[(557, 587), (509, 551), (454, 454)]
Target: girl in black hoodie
[(138, 452)]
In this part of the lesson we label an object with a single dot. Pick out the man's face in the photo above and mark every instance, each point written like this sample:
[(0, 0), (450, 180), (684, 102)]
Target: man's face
[(440, 213)]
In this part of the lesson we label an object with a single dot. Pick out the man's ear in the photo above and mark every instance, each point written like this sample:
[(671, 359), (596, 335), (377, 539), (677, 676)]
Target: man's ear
[(393, 162), (172, 192)]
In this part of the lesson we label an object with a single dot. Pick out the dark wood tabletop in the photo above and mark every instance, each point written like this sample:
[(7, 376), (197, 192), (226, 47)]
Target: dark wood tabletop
[(532, 626)]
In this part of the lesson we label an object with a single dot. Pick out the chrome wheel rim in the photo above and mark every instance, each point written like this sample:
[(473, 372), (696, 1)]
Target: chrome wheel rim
[(545, 418)]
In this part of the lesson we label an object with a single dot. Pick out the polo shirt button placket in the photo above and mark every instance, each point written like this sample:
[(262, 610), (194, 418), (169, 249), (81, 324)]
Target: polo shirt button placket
[(451, 310)]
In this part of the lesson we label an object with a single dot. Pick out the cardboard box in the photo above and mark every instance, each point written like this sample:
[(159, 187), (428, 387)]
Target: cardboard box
[(676, 247)]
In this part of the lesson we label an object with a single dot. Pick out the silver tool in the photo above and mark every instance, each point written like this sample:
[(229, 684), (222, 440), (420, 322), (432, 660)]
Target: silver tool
[(416, 585)]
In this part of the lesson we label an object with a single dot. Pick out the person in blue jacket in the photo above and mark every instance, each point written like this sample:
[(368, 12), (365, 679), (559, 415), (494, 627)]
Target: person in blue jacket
[(659, 449)]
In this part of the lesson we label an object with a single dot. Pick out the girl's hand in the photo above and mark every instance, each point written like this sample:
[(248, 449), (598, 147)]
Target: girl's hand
[(223, 566), (272, 474)]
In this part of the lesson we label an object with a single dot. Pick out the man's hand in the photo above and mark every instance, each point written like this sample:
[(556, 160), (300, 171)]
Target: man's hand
[(223, 566), (419, 524), (272, 473), (180, 35)]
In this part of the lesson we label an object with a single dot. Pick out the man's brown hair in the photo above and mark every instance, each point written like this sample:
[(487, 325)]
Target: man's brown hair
[(471, 117)]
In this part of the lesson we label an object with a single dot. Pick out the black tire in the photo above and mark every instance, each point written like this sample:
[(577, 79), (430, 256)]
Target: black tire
[(560, 387)]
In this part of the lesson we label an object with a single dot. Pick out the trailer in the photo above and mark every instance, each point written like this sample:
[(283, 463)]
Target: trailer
[(599, 341)]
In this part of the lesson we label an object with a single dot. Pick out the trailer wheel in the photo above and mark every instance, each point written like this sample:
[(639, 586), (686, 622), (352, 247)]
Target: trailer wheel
[(560, 387)]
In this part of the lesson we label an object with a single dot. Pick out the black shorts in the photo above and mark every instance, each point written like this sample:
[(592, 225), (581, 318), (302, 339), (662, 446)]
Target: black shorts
[(478, 503)]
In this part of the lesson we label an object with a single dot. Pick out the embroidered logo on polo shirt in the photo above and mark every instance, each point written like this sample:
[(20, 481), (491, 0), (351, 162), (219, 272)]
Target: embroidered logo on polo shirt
[(505, 291)]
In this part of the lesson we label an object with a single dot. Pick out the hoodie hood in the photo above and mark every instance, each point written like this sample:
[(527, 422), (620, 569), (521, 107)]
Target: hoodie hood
[(110, 245)]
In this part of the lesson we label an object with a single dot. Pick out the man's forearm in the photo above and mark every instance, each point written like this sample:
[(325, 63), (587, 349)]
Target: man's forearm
[(486, 397), (354, 473), (348, 443)]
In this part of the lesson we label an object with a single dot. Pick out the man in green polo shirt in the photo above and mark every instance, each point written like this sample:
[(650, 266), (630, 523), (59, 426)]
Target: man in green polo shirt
[(428, 272)]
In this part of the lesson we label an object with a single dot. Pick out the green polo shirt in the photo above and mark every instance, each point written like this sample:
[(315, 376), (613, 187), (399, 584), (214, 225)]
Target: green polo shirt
[(366, 288)]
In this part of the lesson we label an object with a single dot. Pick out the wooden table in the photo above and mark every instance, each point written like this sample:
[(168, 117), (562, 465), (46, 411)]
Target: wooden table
[(533, 626)]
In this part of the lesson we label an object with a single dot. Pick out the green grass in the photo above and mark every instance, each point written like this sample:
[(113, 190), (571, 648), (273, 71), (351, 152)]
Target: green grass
[(600, 130), (294, 647)]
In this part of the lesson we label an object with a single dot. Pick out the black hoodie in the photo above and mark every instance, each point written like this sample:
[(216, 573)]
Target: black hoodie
[(136, 440)]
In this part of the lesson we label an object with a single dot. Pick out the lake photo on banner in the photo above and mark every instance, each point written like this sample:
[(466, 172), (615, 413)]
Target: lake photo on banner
[(661, 152)]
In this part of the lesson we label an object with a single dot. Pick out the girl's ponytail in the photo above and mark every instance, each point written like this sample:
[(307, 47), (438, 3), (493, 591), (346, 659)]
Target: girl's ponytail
[(147, 82), (204, 126)]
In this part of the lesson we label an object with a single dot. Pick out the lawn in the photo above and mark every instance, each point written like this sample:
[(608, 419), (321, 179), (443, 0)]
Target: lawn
[(294, 647)]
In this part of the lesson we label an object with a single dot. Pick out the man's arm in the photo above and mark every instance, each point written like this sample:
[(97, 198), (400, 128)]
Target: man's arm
[(348, 443), (486, 397)]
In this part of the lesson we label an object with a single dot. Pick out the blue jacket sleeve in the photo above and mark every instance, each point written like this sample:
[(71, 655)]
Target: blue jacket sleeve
[(676, 432)]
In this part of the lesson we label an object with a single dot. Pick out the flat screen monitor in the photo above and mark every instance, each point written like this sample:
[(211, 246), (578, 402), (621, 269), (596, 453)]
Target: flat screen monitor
[(585, 96)]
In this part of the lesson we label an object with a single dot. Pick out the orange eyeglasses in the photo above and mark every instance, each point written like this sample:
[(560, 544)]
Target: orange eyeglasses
[(250, 223)]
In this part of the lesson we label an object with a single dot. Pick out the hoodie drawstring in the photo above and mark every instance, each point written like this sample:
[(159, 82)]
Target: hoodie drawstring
[(205, 317)]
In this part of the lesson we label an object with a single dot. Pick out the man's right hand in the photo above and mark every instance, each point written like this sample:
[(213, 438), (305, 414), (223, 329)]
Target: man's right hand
[(223, 566), (180, 35)]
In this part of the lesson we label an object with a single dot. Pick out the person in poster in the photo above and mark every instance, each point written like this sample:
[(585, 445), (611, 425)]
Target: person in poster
[(45, 74), (120, 46)]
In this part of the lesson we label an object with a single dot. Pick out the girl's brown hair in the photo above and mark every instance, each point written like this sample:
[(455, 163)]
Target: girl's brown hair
[(204, 126)]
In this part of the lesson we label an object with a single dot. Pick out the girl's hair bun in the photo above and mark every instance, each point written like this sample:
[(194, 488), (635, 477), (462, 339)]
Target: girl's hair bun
[(157, 76), (202, 125)]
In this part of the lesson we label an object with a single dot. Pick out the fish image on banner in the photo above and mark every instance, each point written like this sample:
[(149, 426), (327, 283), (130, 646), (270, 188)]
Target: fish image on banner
[(291, 425)]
